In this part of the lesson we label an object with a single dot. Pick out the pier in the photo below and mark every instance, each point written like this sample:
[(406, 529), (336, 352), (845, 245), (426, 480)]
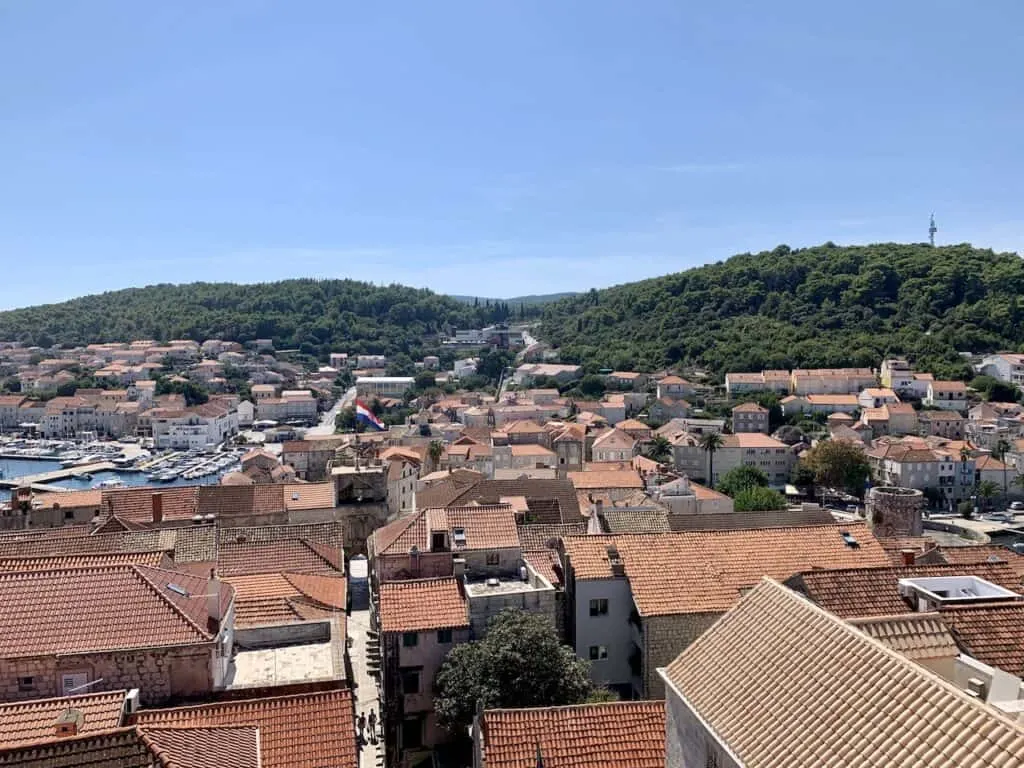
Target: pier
[(58, 474)]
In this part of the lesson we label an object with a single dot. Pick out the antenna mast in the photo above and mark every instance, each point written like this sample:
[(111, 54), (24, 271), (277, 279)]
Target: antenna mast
[(932, 229)]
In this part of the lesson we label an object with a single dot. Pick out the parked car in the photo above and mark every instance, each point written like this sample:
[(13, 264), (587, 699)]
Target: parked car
[(1017, 506)]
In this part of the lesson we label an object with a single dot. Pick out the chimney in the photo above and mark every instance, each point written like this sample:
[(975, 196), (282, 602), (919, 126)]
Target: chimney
[(908, 556), (977, 689), (158, 507), (69, 723), (599, 507), (618, 567), (213, 599)]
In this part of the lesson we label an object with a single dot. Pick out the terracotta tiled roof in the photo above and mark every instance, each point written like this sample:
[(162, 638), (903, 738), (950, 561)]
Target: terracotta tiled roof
[(307, 730), (32, 722), (536, 537), (947, 386), (706, 571), (862, 592), (120, 748), (274, 598), (421, 605), (615, 440), (894, 546), (136, 504), (992, 633), (100, 608), (784, 684), (81, 561), (485, 527), (984, 554), (918, 636), (91, 498), (308, 496), (530, 450), (625, 734), (624, 478), (547, 563), (635, 521), (248, 557), (749, 408), (218, 747), (751, 440), (533, 490)]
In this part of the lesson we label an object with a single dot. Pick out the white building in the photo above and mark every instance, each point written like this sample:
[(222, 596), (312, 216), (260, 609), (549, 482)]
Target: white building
[(194, 428), (384, 386)]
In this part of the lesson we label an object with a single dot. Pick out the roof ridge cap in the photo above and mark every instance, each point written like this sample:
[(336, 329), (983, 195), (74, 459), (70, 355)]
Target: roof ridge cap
[(174, 606)]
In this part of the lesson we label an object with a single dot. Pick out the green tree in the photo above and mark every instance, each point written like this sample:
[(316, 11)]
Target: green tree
[(518, 663), (711, 442), (659, 449), (802, 475), (591, 386), (757, 498), (987, 491), (742, 478), (424, 380), (999, 451), (839, 464), (345, 421), (994, 390), (435, 450)]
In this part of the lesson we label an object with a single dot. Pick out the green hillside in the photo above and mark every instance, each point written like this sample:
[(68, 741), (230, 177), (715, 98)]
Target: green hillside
[(514, 303), (314, 316), (822, 306)]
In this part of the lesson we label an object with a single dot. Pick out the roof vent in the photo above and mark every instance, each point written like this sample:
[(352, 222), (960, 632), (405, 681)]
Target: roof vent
[(295, 497), (977, 689), (850, 540), (493, 582), (209, 517), (618, 567), (197, 518), (178, 590), (240, 539), (459, 536)]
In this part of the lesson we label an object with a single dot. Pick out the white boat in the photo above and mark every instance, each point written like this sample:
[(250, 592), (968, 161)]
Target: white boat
[(108, 484)]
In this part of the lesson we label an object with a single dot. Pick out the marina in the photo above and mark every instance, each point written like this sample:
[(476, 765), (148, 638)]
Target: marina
[(51, 465)]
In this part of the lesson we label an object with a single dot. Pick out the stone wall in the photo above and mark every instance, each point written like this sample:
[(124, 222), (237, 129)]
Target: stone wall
[(277, 635), (484, 607), (687, 743), (665, 637), (161, 675)]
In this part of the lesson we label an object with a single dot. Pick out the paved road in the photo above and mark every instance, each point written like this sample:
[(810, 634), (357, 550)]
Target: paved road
[(326, 425), (367, 698)]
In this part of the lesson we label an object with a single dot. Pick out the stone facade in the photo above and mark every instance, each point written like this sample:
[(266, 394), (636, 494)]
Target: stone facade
[(687, 742), (664, 638), (162, 675)]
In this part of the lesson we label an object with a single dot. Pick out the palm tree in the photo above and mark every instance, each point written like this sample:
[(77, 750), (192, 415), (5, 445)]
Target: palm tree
[(660, 449), (435, 450), (965, 454), (711, 442), (999, 452), (987, 490)]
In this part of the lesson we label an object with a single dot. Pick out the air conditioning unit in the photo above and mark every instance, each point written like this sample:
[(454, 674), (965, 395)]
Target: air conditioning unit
[(131, 702)]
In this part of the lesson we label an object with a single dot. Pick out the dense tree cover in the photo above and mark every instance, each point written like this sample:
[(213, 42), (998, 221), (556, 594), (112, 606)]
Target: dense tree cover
[(742, 478), (994, 390), (821, 306), (758, 499), (314, 316), (839, 464), (520, 662)]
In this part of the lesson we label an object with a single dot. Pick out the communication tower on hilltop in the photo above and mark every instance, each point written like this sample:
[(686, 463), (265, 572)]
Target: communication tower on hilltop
[(932, 229)]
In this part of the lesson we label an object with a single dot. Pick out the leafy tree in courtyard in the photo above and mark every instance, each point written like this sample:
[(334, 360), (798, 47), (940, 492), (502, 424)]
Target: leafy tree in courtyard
[(839, 464), (519, 663), (711, 442), (802, 476), (742, 478), (591, 386), (660, 449), (987, 491), (435, 450), (758, 498), (994, 390), (424, 380), (346, 419)]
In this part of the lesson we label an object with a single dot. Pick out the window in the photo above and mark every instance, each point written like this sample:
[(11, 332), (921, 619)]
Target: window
[(444, 636), (599, 607), (410, 639), (492, 558), (26, 683), (598, 652), (69, 514), (412, 733), (410, 681)]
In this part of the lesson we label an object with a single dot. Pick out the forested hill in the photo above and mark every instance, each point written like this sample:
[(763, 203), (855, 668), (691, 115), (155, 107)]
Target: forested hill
[(312, 315), (822, 306)]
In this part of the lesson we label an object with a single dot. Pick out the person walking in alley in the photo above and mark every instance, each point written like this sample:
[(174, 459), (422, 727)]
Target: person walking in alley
[(373, 726), (361, 722)]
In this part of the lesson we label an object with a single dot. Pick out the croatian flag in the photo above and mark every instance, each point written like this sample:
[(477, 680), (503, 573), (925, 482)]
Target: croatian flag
[(365, 415)]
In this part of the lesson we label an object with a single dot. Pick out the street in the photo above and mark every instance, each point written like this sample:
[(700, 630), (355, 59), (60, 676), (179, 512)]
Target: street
[(326, 425)]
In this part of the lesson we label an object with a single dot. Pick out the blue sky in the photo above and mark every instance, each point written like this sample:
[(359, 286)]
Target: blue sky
[(493, 148)]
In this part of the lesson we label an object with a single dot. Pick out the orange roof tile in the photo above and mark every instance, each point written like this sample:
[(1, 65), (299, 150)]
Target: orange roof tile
[(32, 722), (992, 633), (785, 685), (307, 730), (218, 747), (61, 562), (100, 608), (91, 498), (984, 554), (421, 605), (749, 408), (624, 478), (751, 440), (861, 592), (626, 734), (136, 504), (116, 748), (530, 450), (706, 571), (308, 496), (300, 556)]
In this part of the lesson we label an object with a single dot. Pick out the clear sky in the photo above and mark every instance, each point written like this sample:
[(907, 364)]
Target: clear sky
[(492, 147)]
